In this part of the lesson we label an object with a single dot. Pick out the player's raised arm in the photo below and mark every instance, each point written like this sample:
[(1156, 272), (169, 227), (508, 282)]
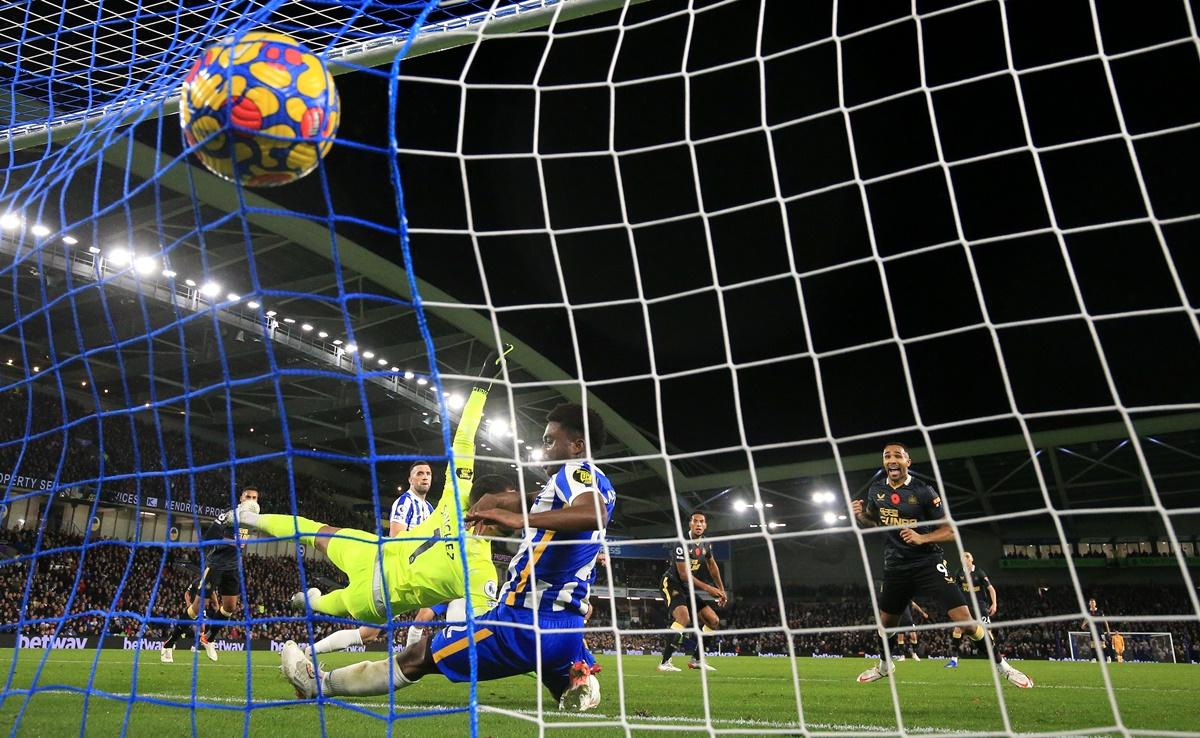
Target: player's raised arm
[(463, 449)]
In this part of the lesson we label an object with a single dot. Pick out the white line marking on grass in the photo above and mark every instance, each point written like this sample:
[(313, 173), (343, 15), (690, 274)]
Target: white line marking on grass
[(1040, 685)]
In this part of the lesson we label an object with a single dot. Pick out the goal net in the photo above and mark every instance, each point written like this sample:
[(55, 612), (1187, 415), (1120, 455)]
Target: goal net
[(1134, 647), (760, 239)]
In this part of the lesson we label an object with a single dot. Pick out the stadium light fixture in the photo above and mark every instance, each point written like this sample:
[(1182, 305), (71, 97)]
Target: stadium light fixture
[(119, 257), (271, 313), (40, 230), (322, 334), (210, 289), (190, 282), (337, 342), (500, 426), (93, 249), (306, 327), (830, 518), (168, 273), (144, 264), (841, 517), (37, 369), (740, 505), (351, 348), (368, 354), (456, 402), (289, 321), (395, 370), (10, 221), (70, 240), (233, 297), (823, 497), (536, 455), (381, 362), (422, 381), (409, 375)]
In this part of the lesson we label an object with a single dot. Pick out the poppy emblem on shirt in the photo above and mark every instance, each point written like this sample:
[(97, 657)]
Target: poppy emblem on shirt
[(895, 499)]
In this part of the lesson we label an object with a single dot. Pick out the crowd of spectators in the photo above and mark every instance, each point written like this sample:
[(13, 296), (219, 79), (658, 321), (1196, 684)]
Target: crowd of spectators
[(133, 449), (838, 621), (137, 590)]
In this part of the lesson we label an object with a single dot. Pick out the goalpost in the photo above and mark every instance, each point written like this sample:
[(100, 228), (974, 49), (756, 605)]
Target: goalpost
[(1139, 647), (832, 225)]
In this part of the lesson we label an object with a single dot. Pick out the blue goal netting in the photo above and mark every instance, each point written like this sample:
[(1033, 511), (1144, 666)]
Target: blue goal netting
[(173, 338)]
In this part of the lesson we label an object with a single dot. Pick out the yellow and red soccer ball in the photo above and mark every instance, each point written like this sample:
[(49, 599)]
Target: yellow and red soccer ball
[(259, 108)]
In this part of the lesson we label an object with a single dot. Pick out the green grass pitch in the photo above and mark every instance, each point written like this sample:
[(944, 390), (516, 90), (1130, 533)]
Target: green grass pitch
[(751, 695)]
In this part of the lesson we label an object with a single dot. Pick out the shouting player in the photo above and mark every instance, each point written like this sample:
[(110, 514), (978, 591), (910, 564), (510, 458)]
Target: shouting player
[(684, 568), (913, 562), (547, 587)]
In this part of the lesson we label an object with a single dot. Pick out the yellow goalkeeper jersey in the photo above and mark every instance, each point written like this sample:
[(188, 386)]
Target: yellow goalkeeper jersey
[(422, 569)]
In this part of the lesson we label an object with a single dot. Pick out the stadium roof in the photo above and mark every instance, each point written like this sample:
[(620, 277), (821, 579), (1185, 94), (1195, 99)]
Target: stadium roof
[(697, 279)]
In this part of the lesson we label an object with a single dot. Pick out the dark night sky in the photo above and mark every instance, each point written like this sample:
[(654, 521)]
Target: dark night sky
[(677, 205), (1023, 272)]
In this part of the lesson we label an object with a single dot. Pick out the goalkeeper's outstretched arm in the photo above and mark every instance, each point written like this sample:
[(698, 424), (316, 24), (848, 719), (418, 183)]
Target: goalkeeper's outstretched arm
[(460, 472)]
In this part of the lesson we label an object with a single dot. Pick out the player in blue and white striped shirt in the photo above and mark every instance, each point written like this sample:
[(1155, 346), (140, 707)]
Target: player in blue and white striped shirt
[(547, 587), (411, 508)]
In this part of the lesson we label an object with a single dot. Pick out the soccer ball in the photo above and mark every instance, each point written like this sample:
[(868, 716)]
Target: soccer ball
[(259, 108)]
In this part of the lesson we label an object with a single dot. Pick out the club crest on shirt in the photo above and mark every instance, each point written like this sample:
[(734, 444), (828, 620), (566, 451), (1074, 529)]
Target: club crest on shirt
[(583, 476), (912, 499)]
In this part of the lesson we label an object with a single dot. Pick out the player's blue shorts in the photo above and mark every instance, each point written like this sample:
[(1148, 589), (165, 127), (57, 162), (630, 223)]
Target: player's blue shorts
[(505, 651)]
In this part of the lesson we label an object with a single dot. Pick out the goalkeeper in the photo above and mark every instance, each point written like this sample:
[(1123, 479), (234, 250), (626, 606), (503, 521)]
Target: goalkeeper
[(409, 573)]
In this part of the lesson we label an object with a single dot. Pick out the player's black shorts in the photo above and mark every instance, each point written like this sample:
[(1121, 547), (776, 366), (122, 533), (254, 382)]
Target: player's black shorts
[(906, 618), (926, 580), (677, 595), (223, 581)]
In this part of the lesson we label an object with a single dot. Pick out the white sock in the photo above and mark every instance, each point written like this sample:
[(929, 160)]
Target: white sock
[(364, 679), (339, 641), (414, 635)]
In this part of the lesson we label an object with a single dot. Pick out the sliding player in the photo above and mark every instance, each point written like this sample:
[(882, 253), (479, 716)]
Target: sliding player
[(408, 511), (547, 587), (411, 573), (913, 563)]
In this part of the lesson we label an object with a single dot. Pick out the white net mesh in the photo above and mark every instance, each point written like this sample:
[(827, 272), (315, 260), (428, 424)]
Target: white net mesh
[(761, 239)]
